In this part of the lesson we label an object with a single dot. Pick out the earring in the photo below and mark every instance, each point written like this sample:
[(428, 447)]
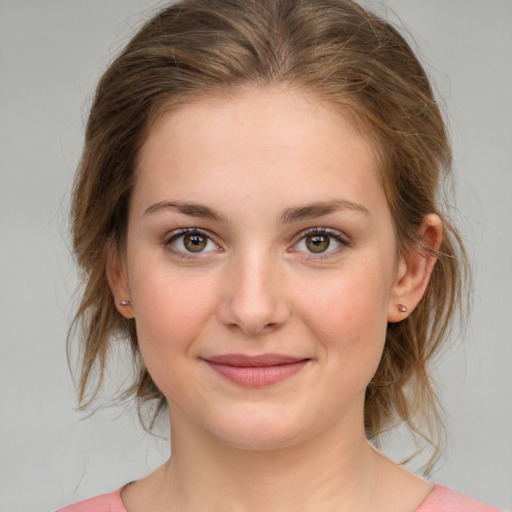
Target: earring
[(402, 308), (125, 303)]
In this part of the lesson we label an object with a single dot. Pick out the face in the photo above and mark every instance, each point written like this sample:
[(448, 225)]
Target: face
[(261, 264)]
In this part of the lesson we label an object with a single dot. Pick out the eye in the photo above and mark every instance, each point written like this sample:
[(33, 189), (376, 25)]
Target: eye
[(191, 241), (320, 241)]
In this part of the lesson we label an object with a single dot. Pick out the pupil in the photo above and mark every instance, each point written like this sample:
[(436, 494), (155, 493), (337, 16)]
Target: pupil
[(195, 242), (317, 243)]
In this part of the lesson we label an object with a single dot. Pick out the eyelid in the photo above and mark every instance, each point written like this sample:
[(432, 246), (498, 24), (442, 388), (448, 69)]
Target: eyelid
[(336, 233), (184, 231)]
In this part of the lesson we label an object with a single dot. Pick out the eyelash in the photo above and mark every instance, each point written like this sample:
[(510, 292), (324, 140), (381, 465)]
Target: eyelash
[(320, 231)]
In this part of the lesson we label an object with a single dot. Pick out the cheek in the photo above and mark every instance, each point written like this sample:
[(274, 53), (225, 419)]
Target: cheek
[(171, 310), (348, 314)]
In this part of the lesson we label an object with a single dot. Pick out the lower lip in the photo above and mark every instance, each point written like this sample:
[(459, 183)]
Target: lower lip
[(258, 376)]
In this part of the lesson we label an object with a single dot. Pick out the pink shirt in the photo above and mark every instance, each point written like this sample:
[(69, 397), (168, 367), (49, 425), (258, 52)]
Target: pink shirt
[(441, 499)]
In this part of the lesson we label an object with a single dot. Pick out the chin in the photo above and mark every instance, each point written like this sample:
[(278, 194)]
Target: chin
[(260, 441), (259, 431)]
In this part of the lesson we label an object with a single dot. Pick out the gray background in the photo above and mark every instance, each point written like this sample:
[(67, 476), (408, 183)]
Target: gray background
[(51, 54)]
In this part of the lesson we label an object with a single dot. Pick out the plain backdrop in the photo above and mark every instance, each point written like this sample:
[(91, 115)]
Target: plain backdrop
[(51, 54)]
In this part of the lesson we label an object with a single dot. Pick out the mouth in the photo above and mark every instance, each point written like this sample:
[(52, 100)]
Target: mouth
[(256, 371)]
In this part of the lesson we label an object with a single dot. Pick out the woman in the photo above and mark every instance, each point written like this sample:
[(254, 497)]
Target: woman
[(256, 211)]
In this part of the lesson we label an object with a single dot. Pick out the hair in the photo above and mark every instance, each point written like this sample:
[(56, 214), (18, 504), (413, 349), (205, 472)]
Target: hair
[(333, 49)]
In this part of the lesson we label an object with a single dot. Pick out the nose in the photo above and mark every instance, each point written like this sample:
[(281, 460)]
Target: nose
[(254, 298)]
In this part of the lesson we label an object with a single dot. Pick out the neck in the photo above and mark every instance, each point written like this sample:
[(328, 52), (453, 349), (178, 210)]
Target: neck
[(333, 470)]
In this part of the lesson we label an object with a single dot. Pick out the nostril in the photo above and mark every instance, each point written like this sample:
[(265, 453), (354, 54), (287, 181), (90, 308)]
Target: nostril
[(252, 320)]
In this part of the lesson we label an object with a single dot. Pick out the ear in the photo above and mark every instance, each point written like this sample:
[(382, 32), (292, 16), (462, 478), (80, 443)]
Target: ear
[(415, 268), (118, 281)]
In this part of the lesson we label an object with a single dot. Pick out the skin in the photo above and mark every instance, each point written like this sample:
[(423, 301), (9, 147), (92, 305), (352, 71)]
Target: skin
[(256, 160)]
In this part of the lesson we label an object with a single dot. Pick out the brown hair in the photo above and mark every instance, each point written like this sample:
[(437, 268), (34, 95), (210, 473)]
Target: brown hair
[(332, 48)]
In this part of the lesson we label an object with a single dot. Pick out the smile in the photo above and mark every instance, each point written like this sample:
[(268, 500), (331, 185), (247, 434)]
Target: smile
[(256, 371)]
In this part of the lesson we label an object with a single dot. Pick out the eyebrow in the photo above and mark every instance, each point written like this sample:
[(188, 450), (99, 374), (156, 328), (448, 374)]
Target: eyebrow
[(288, 216), (187, 208), (319, 209)]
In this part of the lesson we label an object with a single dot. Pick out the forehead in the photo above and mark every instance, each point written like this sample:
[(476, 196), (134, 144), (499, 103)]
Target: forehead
[(258, 139), (270, 111)]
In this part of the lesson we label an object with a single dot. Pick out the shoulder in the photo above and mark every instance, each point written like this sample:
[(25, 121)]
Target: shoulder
[(442, 499), (104, 503)]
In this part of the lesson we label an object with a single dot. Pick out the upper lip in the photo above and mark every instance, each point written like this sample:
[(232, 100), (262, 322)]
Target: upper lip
[(257, 360)]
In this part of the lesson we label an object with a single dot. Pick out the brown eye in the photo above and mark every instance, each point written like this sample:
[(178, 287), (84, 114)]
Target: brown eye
[(321, 242), (191, 242), (317, 243), (195, 242)]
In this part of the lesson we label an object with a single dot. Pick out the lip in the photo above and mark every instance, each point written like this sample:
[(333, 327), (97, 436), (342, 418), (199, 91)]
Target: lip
[(256, 371)]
